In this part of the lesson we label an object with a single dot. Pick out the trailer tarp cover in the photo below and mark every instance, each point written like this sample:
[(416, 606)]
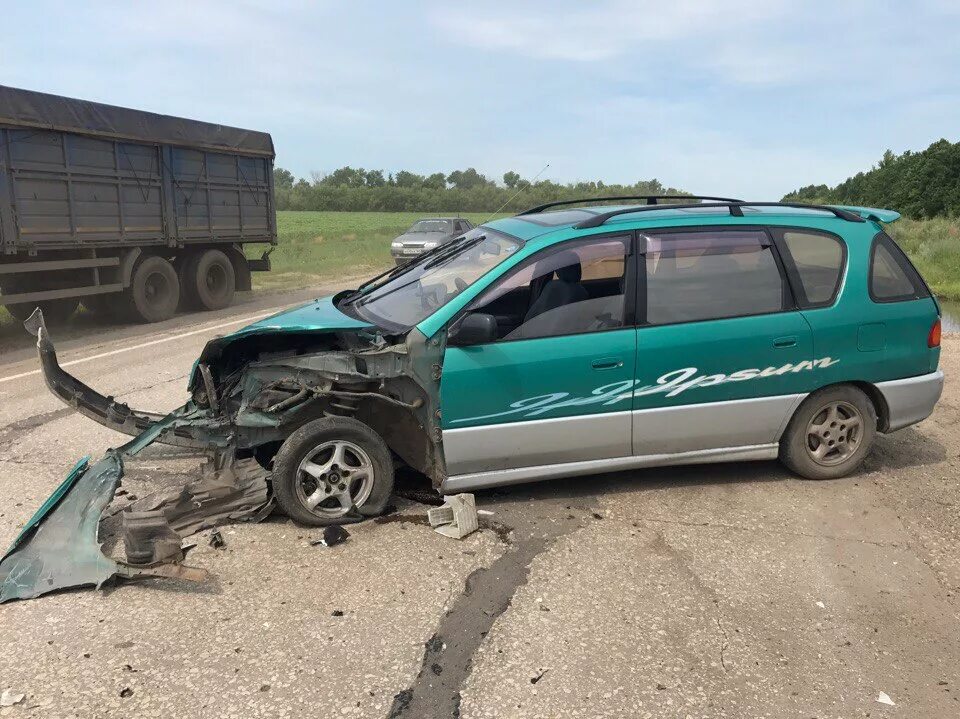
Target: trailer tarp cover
[(53, 112)]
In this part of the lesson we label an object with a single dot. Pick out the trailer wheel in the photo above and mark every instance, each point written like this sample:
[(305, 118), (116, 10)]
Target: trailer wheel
[(154, 290), (55, 312), (210, 280)]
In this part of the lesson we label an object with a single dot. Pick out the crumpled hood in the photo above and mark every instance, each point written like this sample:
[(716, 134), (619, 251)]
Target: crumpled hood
[(318, 316)]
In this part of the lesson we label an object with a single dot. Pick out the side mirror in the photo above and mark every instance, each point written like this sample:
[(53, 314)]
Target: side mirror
[(476, 328)]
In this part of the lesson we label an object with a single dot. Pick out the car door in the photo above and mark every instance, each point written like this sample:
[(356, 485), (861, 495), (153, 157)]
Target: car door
[(552, 386), (723, 355)]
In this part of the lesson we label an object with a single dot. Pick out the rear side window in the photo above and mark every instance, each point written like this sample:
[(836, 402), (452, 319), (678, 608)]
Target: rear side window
[(817, 260), (706, 275), (892, 277)]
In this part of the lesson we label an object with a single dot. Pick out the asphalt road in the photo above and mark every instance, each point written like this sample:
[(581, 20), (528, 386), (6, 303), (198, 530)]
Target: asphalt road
[(712, 591)]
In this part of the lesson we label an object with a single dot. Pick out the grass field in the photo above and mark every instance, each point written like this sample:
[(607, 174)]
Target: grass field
[(314, 246), (318, 246)]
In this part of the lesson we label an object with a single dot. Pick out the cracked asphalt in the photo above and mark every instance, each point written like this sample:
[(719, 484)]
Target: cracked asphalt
[(711, 591)]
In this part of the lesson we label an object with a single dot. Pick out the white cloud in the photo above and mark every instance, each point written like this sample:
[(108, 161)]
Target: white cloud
[(597, 31)]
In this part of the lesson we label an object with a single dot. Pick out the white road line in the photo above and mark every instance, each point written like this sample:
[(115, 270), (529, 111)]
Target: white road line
[(245, 320)]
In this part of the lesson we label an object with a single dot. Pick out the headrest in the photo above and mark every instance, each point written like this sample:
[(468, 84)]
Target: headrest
[(571, 271)]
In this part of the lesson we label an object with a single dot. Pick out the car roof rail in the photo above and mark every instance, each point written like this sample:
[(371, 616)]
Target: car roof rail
[(650, 200), (735, 208)]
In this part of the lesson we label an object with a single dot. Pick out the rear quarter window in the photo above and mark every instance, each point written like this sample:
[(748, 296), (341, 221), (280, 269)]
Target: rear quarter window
[(892, 276), (816, 261)]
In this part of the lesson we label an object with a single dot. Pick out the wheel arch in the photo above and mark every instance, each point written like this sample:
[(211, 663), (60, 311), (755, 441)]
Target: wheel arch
[(873, 394)]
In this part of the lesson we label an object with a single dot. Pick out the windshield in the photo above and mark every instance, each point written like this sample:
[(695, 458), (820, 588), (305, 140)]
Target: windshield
[(403, 300), (432, 226)]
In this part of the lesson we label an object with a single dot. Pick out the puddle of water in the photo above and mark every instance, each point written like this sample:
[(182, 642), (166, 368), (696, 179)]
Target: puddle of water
[(951, 316)]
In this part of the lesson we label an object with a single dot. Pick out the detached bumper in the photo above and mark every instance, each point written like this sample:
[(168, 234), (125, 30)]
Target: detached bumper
[(105, 410), (910, 400)]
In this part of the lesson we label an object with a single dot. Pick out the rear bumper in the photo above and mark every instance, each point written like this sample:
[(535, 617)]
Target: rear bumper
[(910, 400)]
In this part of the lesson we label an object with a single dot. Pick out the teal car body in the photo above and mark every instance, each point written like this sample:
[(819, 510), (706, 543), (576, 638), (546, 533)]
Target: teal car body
[(681, 389), (550, 344)]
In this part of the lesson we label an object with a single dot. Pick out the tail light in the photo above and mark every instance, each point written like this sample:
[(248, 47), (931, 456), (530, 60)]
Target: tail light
[(933, 339)]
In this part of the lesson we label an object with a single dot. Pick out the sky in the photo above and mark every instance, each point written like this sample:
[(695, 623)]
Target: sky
[(737, 97)]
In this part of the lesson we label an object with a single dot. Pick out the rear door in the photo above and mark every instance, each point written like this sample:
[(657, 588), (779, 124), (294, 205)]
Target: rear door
[(723, 355), (555, 385)]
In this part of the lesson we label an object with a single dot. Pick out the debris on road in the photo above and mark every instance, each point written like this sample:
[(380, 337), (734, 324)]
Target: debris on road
[(216, 540), (126, 693), (332, 536), (456, 518), (9, 697), (884, 698)]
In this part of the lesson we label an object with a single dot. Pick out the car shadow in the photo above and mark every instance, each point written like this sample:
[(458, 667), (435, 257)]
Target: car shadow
[(641, 480), (903, 449)]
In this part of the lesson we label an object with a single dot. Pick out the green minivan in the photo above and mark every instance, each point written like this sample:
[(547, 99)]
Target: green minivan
[(569, 340)]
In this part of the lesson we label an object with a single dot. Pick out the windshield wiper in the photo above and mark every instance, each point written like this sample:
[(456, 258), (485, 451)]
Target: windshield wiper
[(436, 261), (460, 246), (400, 269)]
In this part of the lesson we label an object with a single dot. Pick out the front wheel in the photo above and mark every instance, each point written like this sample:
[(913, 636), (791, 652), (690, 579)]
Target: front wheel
[(830, 434), (328, 468)]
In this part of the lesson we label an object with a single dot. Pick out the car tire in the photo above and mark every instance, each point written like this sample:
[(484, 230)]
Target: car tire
[(209, 280), (830, 434), (154, 291), (360, 476)]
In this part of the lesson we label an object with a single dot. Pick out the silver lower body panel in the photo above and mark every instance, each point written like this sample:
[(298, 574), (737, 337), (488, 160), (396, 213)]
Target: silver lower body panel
[(712, 425), (496, 447), (479, 480), (910, 400)]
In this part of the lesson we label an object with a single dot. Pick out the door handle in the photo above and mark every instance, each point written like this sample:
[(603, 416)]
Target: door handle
[(785, 342), (607, 363)]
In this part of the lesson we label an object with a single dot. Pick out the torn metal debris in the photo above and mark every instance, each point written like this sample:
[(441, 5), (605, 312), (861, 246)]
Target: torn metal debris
[(307, 413), (456, 518)]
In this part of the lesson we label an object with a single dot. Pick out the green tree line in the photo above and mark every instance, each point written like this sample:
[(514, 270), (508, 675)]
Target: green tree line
[(917, 184), (352, 189)]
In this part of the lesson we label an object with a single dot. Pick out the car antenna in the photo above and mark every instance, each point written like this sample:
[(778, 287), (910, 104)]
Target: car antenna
[(514, 195)]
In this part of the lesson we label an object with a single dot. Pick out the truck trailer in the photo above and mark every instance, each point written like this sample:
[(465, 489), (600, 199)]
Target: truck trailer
[(132, 213)]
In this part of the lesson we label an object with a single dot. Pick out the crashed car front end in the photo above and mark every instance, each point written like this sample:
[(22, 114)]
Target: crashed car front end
[(249, 392)]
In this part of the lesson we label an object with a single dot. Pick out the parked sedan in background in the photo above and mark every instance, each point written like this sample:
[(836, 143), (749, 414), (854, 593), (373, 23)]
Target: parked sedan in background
[(425, 235)]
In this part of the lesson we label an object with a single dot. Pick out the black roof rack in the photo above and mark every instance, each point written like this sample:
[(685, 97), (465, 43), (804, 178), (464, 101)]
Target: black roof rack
[(650, 200), (735, 207)]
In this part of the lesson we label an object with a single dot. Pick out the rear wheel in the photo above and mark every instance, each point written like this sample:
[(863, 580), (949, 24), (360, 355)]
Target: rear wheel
[(830, 434), (55, 312), (328, 467), (209, 280), (154, 290)]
